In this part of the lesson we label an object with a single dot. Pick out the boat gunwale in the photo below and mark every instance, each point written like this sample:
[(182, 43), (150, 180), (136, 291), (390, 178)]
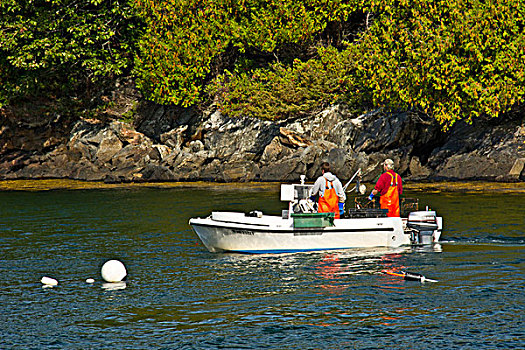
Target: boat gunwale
[(271, 229)]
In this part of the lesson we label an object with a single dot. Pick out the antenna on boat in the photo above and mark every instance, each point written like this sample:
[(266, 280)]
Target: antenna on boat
[(358, 187)]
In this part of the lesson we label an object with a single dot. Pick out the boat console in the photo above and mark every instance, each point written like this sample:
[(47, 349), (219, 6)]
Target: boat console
[(298, 197)]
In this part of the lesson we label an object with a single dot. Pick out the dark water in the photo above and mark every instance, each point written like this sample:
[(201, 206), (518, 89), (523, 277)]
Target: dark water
[(179, 296)]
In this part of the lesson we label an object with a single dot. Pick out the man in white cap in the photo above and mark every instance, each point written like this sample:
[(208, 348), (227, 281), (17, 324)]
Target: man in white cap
[(390, 187)]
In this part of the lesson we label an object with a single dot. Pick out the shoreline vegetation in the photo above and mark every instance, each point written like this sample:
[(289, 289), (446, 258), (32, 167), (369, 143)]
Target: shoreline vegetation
[(434, 187), (268, 60)]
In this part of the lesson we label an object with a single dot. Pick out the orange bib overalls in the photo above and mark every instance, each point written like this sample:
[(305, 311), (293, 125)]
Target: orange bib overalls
[(329, 202), (390, 200)]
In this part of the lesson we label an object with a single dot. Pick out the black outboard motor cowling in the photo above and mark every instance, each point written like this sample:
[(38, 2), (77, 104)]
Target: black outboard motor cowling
[(424, 223)]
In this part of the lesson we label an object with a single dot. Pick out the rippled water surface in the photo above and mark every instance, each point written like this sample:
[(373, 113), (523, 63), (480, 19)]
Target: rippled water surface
[(180, 296)]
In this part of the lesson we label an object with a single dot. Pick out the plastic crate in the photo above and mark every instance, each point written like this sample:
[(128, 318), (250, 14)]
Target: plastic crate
[(313, 220), (406, 205), (367, 213)]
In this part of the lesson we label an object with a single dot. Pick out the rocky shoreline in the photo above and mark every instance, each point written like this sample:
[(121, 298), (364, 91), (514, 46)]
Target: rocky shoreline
[(173, 144)]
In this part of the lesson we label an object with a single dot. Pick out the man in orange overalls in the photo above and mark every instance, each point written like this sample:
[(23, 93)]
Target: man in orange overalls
[(330, 191), (390, 187)]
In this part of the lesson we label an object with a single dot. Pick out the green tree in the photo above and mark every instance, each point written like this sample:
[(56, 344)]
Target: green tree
[(50, 48), (282, 91), (454, 59), (187, 43)]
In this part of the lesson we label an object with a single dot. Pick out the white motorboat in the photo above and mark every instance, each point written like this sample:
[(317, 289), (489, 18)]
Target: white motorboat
[(300, 228)]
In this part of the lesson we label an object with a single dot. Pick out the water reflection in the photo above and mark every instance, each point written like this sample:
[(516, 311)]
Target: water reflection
[(330, 270), (114, 286), (45, 286)]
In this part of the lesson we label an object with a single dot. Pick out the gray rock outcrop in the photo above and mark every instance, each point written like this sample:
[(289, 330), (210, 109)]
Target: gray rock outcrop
[(168, 144)]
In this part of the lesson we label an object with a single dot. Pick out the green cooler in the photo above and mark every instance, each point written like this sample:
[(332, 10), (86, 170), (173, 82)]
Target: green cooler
[(313, 220)]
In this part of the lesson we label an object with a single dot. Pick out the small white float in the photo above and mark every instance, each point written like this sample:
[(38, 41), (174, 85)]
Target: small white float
[(48, 281)]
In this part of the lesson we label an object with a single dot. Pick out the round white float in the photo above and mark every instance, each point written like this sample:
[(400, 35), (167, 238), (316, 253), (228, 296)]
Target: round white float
[(90, 280), (113, 271)]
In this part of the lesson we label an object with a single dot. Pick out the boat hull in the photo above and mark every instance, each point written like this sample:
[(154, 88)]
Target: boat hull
[(234, 232)]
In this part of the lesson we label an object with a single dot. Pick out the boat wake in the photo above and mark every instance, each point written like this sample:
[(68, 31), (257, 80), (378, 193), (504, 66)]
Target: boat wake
[(499, 240)]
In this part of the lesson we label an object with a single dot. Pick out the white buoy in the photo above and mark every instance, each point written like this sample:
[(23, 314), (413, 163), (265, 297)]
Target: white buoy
[(48, 281), (113, 271), (90, 280)]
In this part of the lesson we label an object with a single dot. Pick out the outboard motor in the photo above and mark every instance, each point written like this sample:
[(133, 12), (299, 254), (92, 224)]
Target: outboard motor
[(422, 224)]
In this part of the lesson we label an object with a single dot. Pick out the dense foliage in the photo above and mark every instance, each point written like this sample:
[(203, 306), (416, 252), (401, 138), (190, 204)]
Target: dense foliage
[(281, 91), (53, 48), (454, 59), (189, 42)]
